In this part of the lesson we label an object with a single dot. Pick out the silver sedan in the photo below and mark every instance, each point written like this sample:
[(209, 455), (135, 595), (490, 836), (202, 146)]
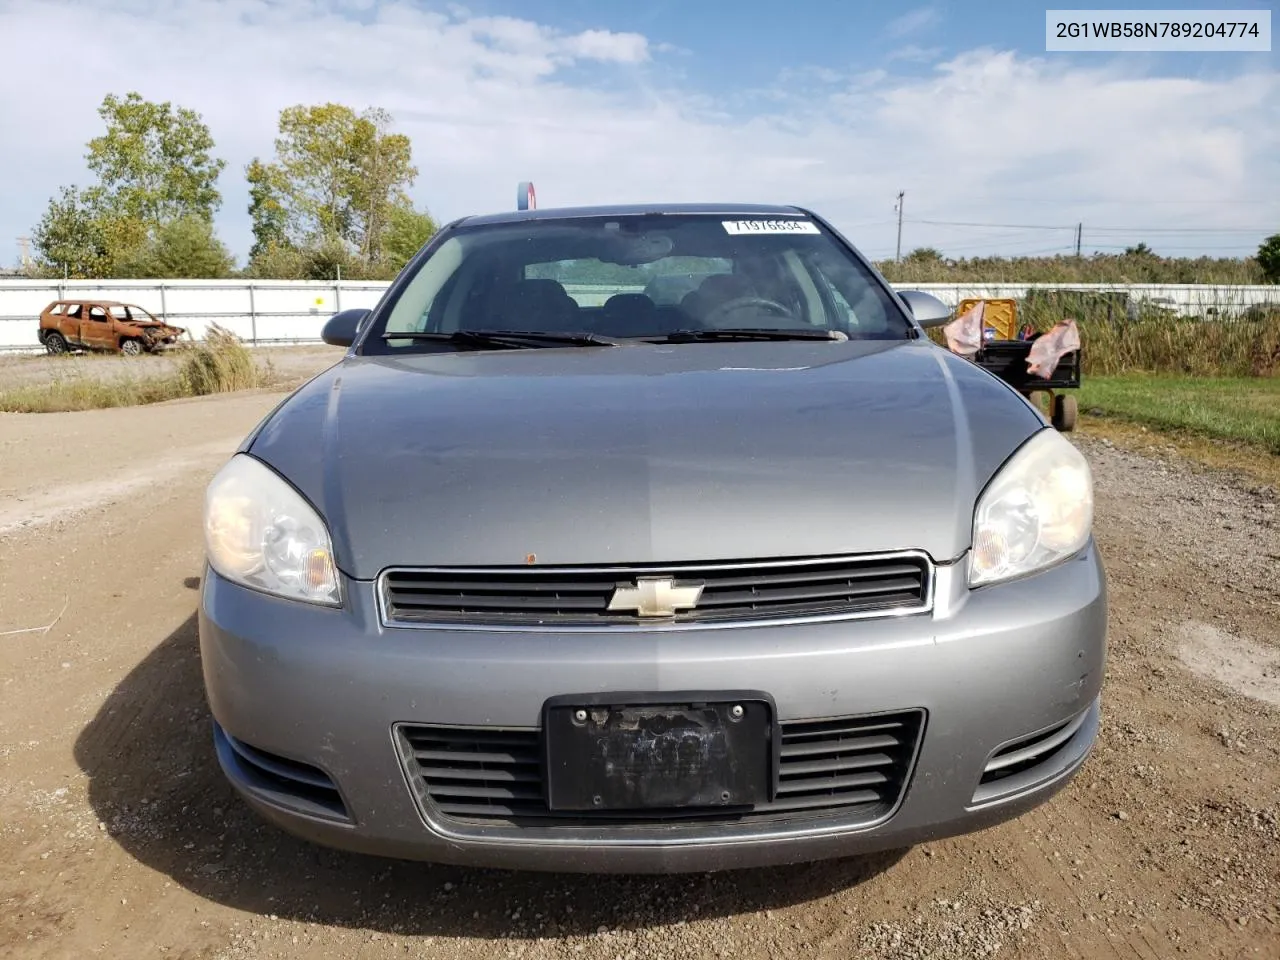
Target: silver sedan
[(649, 539)]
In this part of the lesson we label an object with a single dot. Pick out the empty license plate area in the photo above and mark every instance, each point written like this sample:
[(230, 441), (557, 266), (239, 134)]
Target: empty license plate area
[(638, 756)]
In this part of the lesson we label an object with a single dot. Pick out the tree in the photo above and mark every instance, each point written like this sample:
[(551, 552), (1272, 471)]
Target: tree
[(1141, 250), (154, 167), (1269, 258), (924, 255), (408, 230), (384, 170), (337, 176), (183, 248), (154, 163), (267, 210), (323, 260), (277, 261), (79, 238), (67, 239)]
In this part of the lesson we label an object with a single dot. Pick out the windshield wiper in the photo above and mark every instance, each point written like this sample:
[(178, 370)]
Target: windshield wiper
[(751, 333), (508, 339)]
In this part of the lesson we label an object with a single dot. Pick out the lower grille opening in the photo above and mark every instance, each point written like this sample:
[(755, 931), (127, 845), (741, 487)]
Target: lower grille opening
[(1026, 754), (285, 782), (853, 768)]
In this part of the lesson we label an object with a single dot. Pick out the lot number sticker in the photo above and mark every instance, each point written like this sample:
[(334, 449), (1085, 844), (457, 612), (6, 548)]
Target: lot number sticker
[(769, 226)]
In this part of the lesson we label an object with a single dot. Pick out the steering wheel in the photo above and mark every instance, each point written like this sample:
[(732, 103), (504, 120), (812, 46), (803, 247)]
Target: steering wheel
[(737, 303)]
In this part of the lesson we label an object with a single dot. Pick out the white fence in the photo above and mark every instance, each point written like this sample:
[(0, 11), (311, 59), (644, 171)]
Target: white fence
[(288, 311), (261, 311)]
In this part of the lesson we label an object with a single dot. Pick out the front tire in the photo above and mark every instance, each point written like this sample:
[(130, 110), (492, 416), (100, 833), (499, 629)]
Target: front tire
[(131, 348), (55, 343)]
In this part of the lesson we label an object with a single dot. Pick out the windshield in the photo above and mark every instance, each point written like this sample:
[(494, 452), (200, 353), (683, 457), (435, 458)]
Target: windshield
[(639, 276)]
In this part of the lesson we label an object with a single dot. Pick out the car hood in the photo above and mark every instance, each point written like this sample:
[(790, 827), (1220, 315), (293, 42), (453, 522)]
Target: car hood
[(645, 453)]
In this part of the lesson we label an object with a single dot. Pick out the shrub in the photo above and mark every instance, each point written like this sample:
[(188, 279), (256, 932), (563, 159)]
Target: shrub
[(219, 365)]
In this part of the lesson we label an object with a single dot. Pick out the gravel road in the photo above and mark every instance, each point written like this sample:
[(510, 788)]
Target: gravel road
[(118, 836)]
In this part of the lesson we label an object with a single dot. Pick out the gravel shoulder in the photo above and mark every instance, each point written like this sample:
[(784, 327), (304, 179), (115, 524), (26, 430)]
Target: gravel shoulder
[(118, 836)]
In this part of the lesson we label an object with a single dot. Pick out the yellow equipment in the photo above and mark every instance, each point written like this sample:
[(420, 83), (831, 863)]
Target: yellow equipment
[(1000, 315)]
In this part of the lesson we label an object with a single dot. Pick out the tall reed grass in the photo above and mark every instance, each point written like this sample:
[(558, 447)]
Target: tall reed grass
[(1244, 345), (928, 267)]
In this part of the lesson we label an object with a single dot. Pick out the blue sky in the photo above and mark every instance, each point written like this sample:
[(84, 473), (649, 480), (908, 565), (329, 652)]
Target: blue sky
[(1000, 146), (732, 43)]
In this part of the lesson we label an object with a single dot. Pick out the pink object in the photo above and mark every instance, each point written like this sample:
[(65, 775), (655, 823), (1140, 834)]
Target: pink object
[(964, 333), (1046, 351)]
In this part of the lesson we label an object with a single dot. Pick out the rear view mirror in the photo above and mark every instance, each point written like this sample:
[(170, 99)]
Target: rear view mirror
[(927, 309), (340, 330)]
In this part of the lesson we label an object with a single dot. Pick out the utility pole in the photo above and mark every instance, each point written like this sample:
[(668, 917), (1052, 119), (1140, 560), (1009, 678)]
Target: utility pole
[(1079, 231), (24, 244), (897, 257)]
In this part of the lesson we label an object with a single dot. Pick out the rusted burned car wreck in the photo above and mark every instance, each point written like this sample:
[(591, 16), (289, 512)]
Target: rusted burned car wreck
[(104, 325)]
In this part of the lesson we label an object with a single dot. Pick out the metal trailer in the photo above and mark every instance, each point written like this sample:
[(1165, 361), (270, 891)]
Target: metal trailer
[(1007, 359)]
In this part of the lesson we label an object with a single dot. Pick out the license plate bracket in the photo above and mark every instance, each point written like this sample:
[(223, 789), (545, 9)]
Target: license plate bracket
[(617, 752)]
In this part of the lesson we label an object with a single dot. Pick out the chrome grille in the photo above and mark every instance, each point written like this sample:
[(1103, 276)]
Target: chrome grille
[(559, 597)]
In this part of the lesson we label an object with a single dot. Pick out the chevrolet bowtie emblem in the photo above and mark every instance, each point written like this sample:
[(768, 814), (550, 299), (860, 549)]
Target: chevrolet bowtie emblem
[(655, 597)]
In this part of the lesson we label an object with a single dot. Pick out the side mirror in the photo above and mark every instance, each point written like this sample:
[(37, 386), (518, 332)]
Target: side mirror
[(927, 309), (340, 330)]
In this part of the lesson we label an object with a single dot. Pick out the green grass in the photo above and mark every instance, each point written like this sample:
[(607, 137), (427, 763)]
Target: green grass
[(1237, 409), (219, 365)]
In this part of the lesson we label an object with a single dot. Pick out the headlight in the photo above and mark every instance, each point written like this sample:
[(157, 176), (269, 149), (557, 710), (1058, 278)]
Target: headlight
[(1036, 511), (259, 532)]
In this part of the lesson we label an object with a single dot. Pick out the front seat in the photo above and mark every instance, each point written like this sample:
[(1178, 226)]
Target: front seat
[(712, 292), (538, 306), (630, 315)]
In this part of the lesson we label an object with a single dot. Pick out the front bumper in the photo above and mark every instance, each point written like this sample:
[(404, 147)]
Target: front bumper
[(291, 685)]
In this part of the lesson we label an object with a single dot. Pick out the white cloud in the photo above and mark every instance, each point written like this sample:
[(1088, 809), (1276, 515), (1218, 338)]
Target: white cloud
[(488, 103), (607, 47), (913, 21), (914, 53)]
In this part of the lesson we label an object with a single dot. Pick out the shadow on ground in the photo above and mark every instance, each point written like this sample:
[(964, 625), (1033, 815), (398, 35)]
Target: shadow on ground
[(154, 781)]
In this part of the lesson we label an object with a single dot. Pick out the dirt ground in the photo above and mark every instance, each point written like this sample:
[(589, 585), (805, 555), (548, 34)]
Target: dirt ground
[(119, 837)]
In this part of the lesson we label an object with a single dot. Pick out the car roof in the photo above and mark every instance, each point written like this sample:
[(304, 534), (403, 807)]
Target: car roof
[(637, 209), (92, 301)]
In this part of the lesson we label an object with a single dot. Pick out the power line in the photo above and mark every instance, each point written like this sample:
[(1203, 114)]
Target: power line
[(866, 223), (1111, 202), (1200, 247), (1092, 229), (1177, 230), (998, 226), (1001, 240)]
